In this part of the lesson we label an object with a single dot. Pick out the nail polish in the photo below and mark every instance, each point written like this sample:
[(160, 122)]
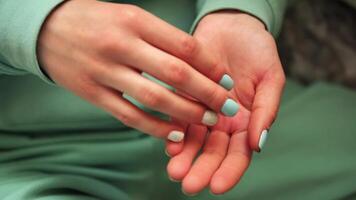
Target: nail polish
[(230, 108), (175, 136), (263, 139), (226, 82), (166, 152), (210, 118)]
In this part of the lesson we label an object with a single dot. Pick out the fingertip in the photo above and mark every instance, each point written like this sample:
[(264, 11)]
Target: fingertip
[(173, 148), (177, 168), (218, 186), (191, 185)]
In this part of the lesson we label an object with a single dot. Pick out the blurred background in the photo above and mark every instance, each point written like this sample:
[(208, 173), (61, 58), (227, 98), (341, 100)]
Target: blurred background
[(318, 41)]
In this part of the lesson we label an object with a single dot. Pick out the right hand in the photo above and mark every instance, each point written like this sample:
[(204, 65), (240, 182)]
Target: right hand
[(98, 50)]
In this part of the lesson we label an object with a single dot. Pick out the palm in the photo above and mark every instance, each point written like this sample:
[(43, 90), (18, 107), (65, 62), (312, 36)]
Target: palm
[(249, 64), (249, 52)]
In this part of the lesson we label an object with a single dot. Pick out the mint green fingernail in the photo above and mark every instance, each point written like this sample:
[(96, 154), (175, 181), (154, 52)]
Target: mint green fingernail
[(263, 139), (230, 108), (226, 82)]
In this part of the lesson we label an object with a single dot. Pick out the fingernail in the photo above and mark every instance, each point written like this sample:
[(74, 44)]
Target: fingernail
[(166, 152), (210, 118), (263, 139), (175, 136), (173, 180), (230, 108), (187, 194), (226, 82)]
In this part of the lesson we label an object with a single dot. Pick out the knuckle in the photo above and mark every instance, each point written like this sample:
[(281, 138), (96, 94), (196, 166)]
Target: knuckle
[(176, 73), (215, 97), (151, 98), (87, 90), (130, 14), (189, 46), (104, 42), (109, 43), (216, 71)]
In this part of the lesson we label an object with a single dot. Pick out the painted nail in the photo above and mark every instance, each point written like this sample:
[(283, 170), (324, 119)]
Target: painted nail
[(187, 194), (166, 152), (230, 108), (210, 118), (263, 139), (226, 82), (175, 136)]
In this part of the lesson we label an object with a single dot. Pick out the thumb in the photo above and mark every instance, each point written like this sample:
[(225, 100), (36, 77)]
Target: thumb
[(265, 106)]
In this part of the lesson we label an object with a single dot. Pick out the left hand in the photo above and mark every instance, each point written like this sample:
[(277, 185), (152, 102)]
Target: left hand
[(249, 52), (224, 159)]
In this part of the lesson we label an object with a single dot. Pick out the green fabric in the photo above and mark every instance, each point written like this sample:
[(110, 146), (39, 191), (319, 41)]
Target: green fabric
[(268, 11), (309, 155), (20, 23)]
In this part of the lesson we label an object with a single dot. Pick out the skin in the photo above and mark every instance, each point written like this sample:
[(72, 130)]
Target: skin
[(100, 52), (249, 51)]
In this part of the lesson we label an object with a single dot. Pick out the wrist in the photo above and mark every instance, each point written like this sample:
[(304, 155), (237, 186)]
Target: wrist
[(231, 18)]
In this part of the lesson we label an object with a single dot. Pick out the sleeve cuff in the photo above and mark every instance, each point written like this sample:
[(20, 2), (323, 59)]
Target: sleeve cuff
[(22, 25), (258, 8)]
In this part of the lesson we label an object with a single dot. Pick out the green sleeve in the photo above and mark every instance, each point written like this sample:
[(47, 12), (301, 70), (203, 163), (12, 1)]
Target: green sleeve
[(20, 24), (270, 12)]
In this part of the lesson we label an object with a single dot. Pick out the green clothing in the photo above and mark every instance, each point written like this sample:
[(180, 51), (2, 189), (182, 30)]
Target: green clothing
[(54, 145), (309, 155)]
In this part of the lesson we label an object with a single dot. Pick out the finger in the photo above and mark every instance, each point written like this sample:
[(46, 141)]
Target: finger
[(265, 107), (112, 101), (155, 96), (180, 164), (180, 75), (174, 148), (233, 166), (207, 163), (184, 46)]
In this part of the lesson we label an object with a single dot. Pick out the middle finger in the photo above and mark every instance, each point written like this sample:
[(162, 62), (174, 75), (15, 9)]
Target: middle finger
[(207, 163)]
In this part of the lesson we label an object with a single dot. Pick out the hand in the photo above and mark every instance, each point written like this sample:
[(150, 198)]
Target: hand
[(223, 160), (249, 51), (98, 50), (242, 43)]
